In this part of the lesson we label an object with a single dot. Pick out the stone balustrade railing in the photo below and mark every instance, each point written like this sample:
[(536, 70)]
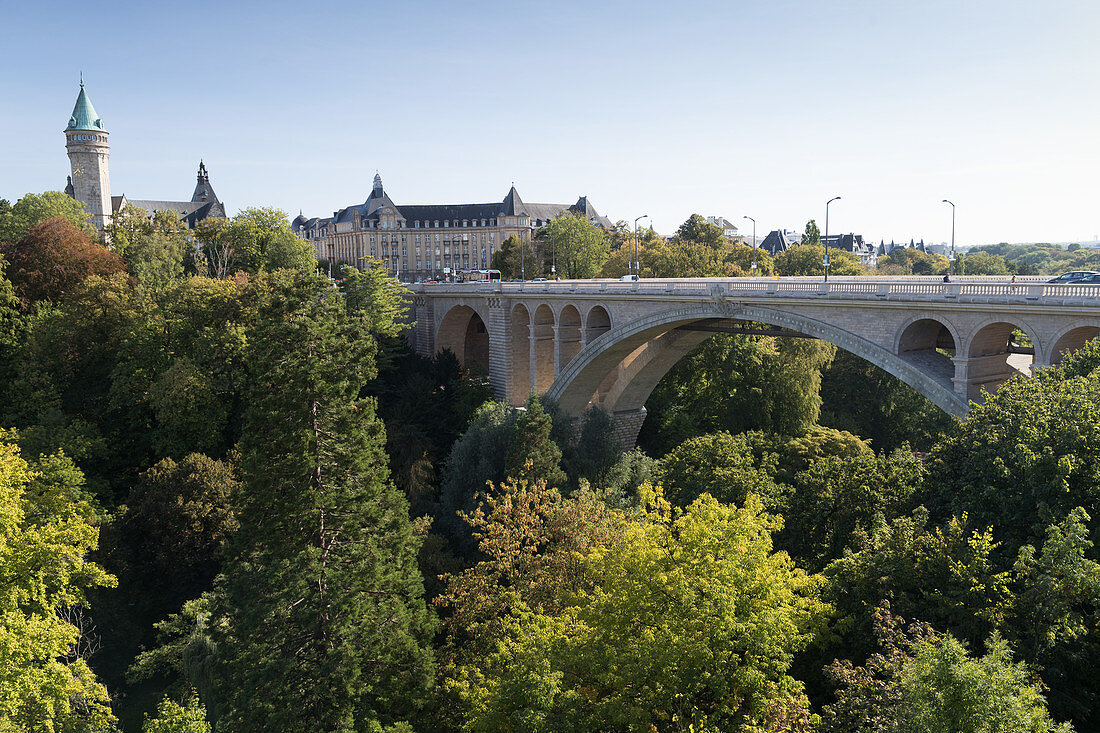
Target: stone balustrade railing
[(983, 288)]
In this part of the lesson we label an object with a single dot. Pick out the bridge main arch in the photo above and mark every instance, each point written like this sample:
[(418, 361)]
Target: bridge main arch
[(643, 350)]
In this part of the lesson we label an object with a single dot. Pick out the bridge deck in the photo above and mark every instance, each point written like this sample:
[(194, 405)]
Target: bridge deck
[(1029, 290)]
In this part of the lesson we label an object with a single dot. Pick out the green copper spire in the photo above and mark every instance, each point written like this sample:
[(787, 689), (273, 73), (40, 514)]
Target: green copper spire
[(84, 116)]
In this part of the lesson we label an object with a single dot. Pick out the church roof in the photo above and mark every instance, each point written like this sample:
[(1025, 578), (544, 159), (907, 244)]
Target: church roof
[(84, 116), (204, 192)]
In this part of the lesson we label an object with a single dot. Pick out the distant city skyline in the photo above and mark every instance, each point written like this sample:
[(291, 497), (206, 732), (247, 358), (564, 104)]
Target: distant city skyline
[(720, 109)]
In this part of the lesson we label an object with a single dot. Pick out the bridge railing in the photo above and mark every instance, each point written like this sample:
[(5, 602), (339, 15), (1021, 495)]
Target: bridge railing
[(1029, 288)]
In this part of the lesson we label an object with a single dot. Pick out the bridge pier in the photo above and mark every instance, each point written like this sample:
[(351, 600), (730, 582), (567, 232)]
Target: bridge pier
[(974, 373)]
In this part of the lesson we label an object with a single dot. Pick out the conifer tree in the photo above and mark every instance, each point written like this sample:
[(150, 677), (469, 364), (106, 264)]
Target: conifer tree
[(327, 626), (534, 456)]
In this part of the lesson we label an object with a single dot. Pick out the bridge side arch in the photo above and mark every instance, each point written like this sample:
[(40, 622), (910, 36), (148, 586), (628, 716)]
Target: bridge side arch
[(464, 331), (1070, 338), (579, 381)]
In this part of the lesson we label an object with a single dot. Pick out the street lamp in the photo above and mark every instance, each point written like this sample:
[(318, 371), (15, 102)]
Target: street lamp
[(951, 259), (753, 244), (636, 265), (825, 259)]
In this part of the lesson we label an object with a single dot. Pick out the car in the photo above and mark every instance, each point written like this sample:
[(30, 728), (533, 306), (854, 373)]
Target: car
[(538, 279), (1093, 279), (628, 278), (1067, 277)]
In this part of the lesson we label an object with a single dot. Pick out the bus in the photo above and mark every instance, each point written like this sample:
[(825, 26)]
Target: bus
[(479, 276)]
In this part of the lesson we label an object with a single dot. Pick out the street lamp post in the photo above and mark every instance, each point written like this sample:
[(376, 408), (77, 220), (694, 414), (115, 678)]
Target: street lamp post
[(637, 270), (753, 244), (825, 259), (951, 259)]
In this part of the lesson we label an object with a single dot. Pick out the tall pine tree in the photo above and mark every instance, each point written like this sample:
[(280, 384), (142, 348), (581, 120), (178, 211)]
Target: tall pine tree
[(327, 626)]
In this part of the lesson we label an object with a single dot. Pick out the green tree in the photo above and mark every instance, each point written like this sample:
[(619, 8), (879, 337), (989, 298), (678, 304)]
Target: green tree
[(984, 263), (516, 258), (664, 640), (174, 528), (322, 583), (1055, 610), (33, 209), (737, 383), (532, 541), (722, 465), (805, 259), (45, 538), (924, 681), (698, 230), (579, 246), (11, 326), (1023, 459), (533, 455), (175, 718), (811, 235), (256, 239), (946, 574), (861, 398), (837, 496)]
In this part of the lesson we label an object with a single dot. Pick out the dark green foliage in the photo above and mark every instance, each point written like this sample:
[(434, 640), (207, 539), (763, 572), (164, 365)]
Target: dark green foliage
[(173, 530), (946, 575), (737, 383), (1055, 621), (837, 496), (1024, 459), (477, 458), (596, 457), (425, 404), (859, 397), (327, 622), (533, 456)]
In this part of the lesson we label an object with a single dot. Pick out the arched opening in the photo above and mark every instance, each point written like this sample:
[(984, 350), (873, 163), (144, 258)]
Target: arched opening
[(620, 373), (1071, 341), (598, 323), (521, 356), (569, 335), (543, 335), (464, 333), (997, 352), (476, 346), (930, 346)]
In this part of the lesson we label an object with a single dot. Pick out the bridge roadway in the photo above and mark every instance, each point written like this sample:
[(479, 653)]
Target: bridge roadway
[(608, 343)]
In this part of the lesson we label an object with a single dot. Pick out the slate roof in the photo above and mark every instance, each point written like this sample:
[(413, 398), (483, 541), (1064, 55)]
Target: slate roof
[(779, 240), (203, 190), (512, 205)]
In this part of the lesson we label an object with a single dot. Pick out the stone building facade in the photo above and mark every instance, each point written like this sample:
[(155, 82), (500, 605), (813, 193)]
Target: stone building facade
[(425, 242), (90, 181)]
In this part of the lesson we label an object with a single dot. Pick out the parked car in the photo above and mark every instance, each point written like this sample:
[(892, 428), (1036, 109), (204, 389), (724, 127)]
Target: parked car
[(1067, 277), (1093, 279), (538, 279), (628, 278)]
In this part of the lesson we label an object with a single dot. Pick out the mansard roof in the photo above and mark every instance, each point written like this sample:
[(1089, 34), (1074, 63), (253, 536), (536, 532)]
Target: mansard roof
[(84, 116), (512, 205)]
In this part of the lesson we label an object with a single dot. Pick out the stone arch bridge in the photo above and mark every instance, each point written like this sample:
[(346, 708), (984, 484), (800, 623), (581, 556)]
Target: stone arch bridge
[(608, 343)]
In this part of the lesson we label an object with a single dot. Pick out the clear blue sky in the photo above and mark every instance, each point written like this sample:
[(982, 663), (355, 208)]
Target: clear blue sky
[(731, 108)]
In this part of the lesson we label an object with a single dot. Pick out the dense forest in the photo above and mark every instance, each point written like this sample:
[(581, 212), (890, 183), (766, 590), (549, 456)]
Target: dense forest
[(233, 499)]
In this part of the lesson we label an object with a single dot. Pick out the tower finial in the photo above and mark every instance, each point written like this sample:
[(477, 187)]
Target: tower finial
[(82, 79)]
